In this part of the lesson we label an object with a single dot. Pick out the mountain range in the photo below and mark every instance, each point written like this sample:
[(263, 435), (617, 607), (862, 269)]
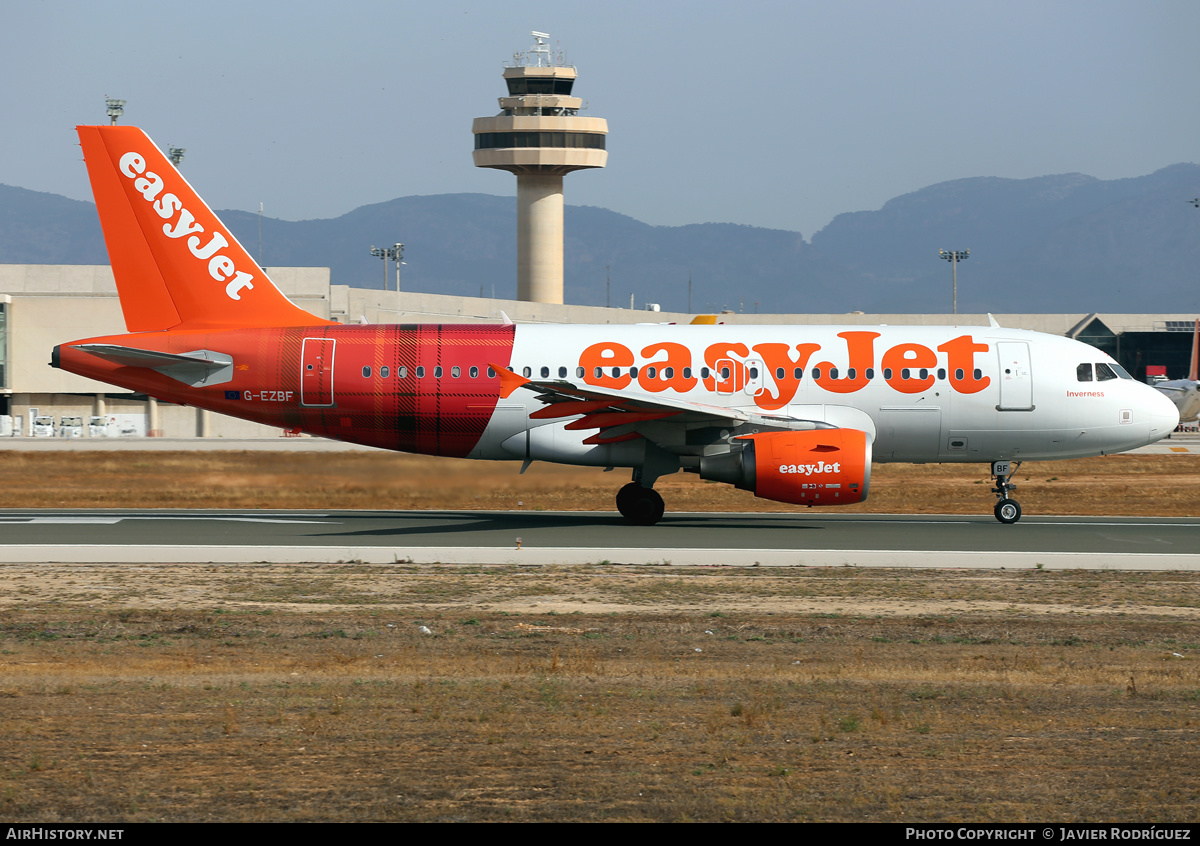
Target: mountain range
[(1065, 243)]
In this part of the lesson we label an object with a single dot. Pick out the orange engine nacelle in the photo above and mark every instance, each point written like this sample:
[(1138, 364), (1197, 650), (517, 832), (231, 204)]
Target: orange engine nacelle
[(816, 467)]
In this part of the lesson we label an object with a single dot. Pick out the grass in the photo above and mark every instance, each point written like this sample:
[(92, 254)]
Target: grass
[(1162, 485), (195, 699)]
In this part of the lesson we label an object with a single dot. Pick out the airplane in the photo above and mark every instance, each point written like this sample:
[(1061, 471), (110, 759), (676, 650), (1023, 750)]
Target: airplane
[(1185, 393), (795, 414)]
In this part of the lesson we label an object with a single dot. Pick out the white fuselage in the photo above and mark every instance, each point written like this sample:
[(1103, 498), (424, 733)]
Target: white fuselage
[(923, 394)]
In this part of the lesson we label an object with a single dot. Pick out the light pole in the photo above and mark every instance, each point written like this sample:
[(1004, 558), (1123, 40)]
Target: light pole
[(393, 253), (115, 109), (954, 257)]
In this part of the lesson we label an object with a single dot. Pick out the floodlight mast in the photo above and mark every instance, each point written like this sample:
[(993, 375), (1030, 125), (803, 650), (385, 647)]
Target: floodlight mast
[(954, 257), (393, 253), (115, 109)]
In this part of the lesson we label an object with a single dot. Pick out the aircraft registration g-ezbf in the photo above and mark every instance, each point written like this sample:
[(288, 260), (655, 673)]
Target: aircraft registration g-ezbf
[(795, 414)]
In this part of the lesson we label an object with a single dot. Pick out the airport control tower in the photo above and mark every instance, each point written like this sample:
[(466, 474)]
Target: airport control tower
[(539, 136)]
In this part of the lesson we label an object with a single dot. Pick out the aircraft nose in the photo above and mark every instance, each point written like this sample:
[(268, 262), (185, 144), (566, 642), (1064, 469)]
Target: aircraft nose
[(1164, 416)]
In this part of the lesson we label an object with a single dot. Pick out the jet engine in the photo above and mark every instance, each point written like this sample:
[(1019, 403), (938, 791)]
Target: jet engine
[(814, 467)]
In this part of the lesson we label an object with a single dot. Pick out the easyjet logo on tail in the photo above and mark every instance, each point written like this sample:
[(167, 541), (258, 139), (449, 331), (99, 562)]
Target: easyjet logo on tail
[(182, 224)]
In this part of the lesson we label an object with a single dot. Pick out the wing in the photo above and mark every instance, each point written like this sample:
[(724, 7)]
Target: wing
[(625, 415)]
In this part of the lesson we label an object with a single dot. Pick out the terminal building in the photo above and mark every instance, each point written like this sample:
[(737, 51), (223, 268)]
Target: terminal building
[(45, 305)]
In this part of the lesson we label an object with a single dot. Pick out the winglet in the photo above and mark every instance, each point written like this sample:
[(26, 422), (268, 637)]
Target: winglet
[(992, 321), (509, 381), (176, 265), (704, 319)]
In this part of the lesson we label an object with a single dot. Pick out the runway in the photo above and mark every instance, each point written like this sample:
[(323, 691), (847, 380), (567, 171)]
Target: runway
[(546, 538)]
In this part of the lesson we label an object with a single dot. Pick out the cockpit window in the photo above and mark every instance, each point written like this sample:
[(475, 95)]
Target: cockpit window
[(1121, 371), (1083, 372), (1104, 373)]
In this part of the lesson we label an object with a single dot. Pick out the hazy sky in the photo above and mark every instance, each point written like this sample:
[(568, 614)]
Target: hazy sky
[(778, 114)]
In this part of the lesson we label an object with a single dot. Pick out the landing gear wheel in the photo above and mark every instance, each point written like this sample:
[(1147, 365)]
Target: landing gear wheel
[(640, 506), (1008, 510)]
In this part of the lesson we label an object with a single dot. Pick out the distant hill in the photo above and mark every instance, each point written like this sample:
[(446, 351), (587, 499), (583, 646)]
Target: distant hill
[(1055, 243)]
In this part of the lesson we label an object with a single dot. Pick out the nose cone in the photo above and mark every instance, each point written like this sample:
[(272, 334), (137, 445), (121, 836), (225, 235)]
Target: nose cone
[(1163, 414)]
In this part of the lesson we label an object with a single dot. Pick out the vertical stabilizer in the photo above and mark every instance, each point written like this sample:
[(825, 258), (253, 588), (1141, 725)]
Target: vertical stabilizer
[(176, 265)]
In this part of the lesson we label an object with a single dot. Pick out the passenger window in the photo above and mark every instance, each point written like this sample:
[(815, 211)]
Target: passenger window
[(924, 373), (724, 373), (526, 372), (687, 373), (779, 371), (798, 373), (437, 372), (887, 373), (978, 374), (904, 374), (941, 373), (491, 373), (633, 371), (1104, 373), (562, 373), (833, 373), (474, 372), (650, 372), (420, 372), (578, 372), (816, 373), (456, 371), (870, 373), (851, 373), (753, 372), (598, 373), (401, 372), (616, 372), (1083, 373), (366, 372), (383, 372), (705, 372)]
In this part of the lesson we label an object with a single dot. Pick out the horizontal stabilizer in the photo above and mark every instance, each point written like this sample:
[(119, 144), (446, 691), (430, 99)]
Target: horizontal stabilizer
[(195, 368)]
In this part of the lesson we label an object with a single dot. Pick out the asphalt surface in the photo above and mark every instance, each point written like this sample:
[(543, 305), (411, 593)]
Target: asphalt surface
[(541, 538)]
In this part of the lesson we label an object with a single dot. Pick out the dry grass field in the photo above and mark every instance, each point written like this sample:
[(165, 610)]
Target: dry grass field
[(1162, 485), (267, 692)]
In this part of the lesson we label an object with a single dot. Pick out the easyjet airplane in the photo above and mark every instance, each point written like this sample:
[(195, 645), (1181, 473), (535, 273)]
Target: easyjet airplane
[(795, 414)]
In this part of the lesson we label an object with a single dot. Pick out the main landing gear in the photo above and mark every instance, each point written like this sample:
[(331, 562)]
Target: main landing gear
[(1007, 510), (640, 506)]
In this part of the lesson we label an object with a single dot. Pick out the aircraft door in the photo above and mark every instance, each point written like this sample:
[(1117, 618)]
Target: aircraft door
[(1016, 377), (316, 372)]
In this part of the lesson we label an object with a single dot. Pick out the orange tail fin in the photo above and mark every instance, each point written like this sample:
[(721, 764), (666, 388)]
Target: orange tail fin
[(176, 265)]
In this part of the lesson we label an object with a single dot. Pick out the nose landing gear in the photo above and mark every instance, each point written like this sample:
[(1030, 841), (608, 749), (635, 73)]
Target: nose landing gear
[(1007, 510)]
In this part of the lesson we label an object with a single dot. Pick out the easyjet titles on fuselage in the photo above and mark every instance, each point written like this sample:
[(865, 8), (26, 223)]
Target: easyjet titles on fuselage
[(220, 267), (907, 367)]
